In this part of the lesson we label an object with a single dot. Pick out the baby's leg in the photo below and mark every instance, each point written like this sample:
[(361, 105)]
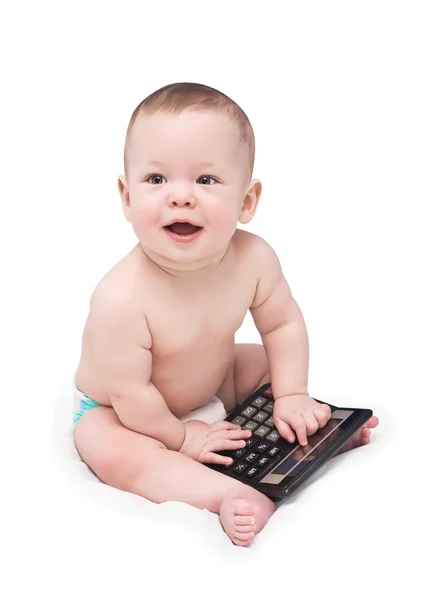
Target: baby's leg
[(141, 465), (249, 371)]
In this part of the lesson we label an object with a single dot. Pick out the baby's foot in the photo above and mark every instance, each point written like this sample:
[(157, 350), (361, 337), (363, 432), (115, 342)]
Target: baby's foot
[(360, 437), (243, 513)]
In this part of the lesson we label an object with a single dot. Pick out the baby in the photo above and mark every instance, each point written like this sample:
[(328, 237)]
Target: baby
[(159, 340)]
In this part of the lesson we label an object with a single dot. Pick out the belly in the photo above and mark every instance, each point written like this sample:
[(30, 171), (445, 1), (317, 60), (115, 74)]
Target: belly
[(191, 378)]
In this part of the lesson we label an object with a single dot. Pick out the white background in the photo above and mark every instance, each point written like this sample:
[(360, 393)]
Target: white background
[(348, 103)]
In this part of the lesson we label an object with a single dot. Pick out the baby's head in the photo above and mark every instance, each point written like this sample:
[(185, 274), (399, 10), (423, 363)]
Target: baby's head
[(188, 156)]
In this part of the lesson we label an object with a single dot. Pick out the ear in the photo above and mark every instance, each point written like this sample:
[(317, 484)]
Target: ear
[(250, 202), (125, 197)]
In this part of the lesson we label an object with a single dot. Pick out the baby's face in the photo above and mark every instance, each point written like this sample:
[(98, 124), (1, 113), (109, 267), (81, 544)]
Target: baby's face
[(187, 167)]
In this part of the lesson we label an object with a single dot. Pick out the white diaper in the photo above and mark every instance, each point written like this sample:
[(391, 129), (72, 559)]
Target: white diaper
[(210, 413)]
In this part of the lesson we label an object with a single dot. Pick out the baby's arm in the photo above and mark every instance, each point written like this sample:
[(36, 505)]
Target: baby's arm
[(280, 322), (122, 348), (281, 325), (124, 361)]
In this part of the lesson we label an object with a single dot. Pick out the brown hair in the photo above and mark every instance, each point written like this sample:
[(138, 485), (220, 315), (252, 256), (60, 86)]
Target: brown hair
[(177, 97)]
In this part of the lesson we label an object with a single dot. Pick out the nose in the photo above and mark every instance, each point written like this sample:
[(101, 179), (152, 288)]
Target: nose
[(181, 198)]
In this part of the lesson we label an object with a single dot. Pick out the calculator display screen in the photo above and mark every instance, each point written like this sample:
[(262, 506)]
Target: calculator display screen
[(318, 443)]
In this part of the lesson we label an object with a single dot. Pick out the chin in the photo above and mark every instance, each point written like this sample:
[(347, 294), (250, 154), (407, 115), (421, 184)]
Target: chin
[(176, 260)]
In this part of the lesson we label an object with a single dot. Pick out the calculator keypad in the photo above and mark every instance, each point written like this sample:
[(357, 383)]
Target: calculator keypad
[(240, 467), (252, 472), (251, 457), (261, 447), (264, 447), (249, 411), (261, 417), (251, 425), (268, 408), (262, 431), (251, 441), (259, 402)]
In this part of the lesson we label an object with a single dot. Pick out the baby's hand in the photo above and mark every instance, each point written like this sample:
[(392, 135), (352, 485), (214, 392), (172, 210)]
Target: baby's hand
[(202, 441), (300, 414)]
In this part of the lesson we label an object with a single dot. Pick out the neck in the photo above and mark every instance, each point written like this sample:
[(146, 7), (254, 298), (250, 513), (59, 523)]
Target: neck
[(184, 271)]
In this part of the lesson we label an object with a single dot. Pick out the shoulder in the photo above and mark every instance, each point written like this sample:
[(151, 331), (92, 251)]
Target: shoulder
[(120, 285), (116, 303), (254, 246), (262, 263), (259, 256)]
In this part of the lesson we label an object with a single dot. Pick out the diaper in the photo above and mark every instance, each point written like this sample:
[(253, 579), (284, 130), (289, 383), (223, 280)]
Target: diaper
[(210, 413), (83, 403)]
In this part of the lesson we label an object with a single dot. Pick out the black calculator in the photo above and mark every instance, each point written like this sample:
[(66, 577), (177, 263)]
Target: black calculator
[(270, 463)]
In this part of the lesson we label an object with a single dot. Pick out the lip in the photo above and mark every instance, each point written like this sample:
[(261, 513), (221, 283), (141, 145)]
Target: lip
[(183, 239), (182, 221)]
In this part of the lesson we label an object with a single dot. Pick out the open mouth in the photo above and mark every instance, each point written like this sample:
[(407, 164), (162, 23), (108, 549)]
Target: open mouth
[(181, 228)]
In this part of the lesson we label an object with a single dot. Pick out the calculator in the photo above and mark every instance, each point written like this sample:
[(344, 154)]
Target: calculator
[(271, 464)]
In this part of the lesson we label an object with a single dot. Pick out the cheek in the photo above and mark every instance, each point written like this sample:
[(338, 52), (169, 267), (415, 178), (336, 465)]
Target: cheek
[(145, 218), (146, 213), (222, 216)]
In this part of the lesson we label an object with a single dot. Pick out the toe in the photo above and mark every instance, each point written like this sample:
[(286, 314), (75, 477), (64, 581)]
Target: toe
[(243, 508), (241, 542), (373, 422), (244, 537), (243, 520), (244, 528)]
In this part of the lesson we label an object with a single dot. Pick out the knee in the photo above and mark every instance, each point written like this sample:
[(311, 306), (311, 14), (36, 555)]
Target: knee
[(121, 468), (117, 459), (265, 369), (113, 466)]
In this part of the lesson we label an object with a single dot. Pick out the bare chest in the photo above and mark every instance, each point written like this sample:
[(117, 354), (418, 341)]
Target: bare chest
[(193, 339), (181, 322)]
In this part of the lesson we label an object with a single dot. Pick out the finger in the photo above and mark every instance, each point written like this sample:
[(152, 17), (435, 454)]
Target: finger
[(311, 422), (322, 414), (216, 459), (223, 425), (284, 429), (222, 444), (299, 426), (230, 434)]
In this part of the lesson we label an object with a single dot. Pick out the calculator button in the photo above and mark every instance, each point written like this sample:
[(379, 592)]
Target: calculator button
[(261, 431), (239, 421), (251, 425), (261, 447), (252, 472), (273, 451), (251, 457), (268, 408), (273, 437), (260, 417), (240, 467), (268, 392), (259, 402), (249, 442), (240, 453), (269, 422), (263, 461), (249, 411)]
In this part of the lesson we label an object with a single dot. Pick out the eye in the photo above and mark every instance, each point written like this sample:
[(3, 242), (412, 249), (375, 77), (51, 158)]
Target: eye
[(206, 177), (155, 176)]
